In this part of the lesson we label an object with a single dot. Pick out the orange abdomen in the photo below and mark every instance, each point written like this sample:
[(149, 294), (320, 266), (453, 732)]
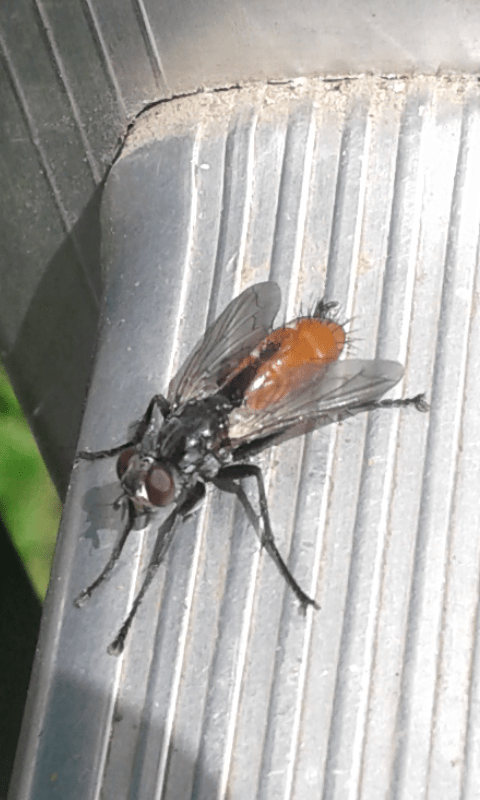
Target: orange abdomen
[(299, 351)]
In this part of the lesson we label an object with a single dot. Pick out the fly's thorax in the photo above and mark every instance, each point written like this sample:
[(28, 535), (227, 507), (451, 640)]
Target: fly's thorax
[(194, 436), (196, 424)]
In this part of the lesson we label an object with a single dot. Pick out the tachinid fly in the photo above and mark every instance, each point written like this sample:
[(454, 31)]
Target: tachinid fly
[(245, 387)]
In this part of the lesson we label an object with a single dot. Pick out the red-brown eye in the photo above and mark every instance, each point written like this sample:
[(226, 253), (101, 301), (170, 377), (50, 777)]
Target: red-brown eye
[(160, 486), (124, 460)]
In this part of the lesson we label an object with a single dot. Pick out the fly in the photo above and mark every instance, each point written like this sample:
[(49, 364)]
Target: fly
[(245, 387)]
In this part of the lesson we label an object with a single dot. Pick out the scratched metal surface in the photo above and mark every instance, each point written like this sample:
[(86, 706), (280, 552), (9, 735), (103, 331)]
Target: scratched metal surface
[(365, 191)]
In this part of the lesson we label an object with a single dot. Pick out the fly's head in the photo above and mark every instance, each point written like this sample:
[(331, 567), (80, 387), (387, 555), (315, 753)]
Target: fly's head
[(149, 483)]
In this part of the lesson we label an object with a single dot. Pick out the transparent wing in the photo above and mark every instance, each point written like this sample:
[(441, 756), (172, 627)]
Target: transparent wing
[(322, 394), (238, 329)]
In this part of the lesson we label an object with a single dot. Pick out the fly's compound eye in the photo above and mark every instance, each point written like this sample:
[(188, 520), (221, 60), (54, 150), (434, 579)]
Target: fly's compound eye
[(124, 460), (160, 486)]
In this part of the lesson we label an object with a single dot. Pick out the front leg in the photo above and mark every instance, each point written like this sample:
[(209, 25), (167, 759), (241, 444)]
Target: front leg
[(157, 401), (164, 538), (84, 595)]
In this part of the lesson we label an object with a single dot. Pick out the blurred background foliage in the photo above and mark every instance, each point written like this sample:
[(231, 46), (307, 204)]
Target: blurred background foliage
[(29, 503)]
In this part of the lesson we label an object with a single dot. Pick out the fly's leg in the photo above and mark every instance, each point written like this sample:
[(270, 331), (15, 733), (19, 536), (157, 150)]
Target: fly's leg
[(157, 401), (162, 543), (323, 307), (418, 401), (85, 595), (225, 480)]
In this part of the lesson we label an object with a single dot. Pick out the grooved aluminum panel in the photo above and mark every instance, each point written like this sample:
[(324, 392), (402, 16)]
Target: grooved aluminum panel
[(365, 191), (73, 75)]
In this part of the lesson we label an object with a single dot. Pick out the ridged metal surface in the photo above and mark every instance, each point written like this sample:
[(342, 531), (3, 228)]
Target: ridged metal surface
[(366, 191), (74, 74)]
